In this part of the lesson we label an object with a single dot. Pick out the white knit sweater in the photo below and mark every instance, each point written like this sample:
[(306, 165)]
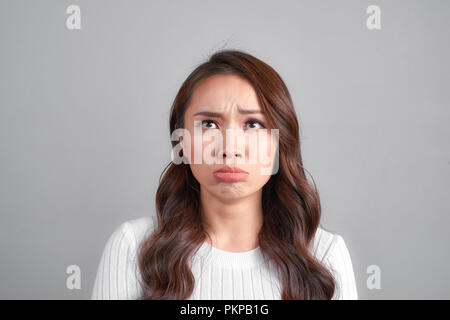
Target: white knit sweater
[(218, 274)]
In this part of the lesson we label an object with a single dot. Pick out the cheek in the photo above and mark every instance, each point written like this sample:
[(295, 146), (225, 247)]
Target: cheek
[(266, 147), (271, 143), (207, 148), (267, 151), (195, 148), (203, 173)]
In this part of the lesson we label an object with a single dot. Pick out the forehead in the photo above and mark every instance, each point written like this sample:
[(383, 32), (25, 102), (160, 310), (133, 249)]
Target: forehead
[(223, 93)]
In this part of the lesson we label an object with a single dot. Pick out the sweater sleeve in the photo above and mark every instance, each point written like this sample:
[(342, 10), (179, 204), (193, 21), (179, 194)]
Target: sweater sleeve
[(339, 262), (116, 275)]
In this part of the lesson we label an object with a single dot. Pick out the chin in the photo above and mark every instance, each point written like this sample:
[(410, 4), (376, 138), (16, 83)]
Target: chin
[(231, 191)]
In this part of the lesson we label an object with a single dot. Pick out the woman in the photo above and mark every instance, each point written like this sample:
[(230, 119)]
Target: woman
[(225, 229)]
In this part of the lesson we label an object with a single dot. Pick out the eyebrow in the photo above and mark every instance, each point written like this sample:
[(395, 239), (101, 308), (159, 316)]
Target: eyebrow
[(219, 115)]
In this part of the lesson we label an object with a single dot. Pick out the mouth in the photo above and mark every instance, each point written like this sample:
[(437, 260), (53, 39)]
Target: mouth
[(230, 174)]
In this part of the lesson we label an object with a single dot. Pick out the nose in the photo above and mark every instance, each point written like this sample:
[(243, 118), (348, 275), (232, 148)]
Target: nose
[(230, 154), (233, 146)]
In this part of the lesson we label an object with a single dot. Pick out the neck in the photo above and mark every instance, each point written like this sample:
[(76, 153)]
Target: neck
[(233, 224)]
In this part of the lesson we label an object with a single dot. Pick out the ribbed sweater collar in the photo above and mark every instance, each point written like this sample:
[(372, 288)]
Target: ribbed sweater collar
[(229, 259)]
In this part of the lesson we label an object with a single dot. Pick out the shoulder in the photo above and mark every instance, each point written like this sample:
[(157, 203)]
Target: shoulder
[(136, 229), (118, 274), (331, 250), (126, 237), (324, 242)]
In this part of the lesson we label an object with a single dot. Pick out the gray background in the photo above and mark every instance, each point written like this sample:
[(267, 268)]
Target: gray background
[(84, 126)]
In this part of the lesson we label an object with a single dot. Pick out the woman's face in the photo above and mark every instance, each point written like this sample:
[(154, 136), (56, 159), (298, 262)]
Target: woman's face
[(224, 103)]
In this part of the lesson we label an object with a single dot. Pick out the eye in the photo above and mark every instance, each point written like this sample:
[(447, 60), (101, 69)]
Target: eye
[(207, 122), (253, 122)]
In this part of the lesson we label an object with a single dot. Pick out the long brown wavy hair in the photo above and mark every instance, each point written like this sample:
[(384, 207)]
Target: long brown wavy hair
[(291, 206)]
